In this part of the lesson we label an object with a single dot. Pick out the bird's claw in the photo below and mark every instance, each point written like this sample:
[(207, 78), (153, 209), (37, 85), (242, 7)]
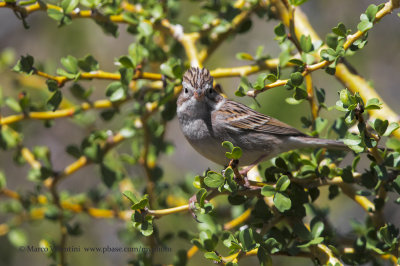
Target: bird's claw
[(192, 207)]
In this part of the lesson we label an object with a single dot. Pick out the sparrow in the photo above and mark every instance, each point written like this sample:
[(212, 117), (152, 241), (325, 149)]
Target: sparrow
[(207, 119)]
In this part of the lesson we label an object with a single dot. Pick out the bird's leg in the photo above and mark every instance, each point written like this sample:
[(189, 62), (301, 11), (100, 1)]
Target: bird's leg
[(192, 207), (244, 171), (241, 180), (193, 201)]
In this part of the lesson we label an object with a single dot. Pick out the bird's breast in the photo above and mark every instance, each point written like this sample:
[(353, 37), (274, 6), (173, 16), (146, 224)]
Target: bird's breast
[(200, 136)]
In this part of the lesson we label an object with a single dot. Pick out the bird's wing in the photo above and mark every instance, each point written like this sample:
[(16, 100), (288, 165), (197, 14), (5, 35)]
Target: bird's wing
[(239, 116)]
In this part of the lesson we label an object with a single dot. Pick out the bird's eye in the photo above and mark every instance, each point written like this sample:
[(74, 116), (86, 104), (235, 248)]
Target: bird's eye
[(210, 91), (186, 91)]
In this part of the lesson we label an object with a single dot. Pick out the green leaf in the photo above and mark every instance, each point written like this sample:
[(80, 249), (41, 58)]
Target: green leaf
[(331, 40), (300, 94), (141, 204), (293, 101), (70, 64), (345, 97), (302, 231), (201, 196), (230, 241), (371, 12), (246, 238), (320, 96), (298, 2), (90, 3), (130, 196), (55, 100), (244, 56), (172, 68), (68, 75), (388, 234), (283, 183), (7, 138), (268, 191), (79, 92), (396, 184), (214, 179), (55, 14), (380, 126), (244, 82), (52, 85), (126, 77), (263, 257), (3, 180), (108, 27), (340, 30), (272, 77), (330, 70), (364, 26), (296, 61), (391, 128), (108, 175), (212, 256), (352, 140), (280, 163), (145, 28), (138, 53), (69, 5), (25, 64), (307, 58), (280, 30), (13, 104), (126, 61), (347, 175), (240, 92), (74, 151), (228, 145), (88, 63), (315, 241), (393, 143), (306, 44), (317, 229), (328, 54), (282, 202), (235, 154), (380, 171), (260, 82), (373, 103), (146, 228), (296, 78), (320, 124), (17, 237), (115, 91)]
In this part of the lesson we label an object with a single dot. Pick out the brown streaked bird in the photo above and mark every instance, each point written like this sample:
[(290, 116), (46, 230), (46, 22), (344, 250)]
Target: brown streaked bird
[(207, 119)]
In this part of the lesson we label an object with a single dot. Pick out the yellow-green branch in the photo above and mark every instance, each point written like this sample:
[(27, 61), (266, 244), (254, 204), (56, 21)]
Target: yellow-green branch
[(68, 112), (99, 74)]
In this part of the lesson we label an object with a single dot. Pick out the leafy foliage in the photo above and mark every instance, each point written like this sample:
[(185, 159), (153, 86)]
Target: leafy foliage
[(267, 210)]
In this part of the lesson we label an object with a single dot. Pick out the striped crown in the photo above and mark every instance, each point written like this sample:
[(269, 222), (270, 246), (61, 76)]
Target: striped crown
[(197, 77)]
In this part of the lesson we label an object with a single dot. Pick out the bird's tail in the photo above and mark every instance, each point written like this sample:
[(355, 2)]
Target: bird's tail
[(319, 143), (309, 142)]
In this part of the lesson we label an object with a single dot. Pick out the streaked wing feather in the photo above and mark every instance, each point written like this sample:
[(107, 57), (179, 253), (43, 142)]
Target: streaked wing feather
[(243, 117)]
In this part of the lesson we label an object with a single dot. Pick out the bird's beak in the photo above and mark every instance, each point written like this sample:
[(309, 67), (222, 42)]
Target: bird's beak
[(198, 94)]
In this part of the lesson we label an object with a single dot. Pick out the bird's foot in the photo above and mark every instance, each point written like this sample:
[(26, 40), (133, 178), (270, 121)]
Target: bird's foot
[(192, 207)]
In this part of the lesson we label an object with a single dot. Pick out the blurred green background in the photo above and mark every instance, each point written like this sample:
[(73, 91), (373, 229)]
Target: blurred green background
[(378, 62)]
